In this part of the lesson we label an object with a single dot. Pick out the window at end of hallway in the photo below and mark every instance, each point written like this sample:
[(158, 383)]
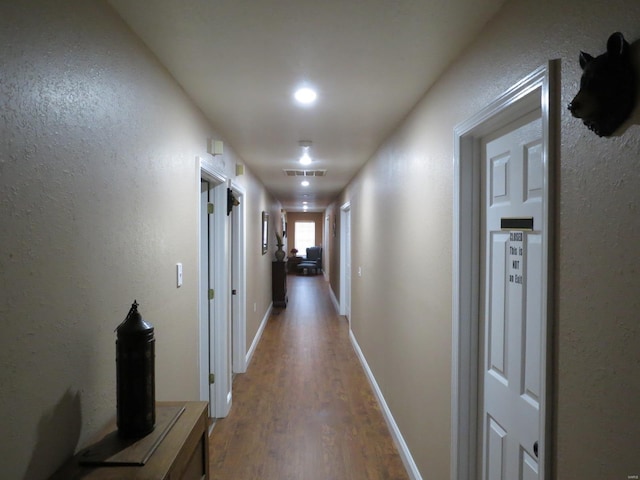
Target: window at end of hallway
[(305, 236)]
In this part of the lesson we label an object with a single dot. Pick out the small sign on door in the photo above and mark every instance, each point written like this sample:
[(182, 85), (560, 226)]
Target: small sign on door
[(516, 255)]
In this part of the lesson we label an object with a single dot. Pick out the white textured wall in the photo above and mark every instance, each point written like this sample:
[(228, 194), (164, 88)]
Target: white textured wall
[(402, 235), (98, 201)]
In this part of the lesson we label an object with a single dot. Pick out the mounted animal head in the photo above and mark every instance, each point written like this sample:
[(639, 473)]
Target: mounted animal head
[(607, 88)]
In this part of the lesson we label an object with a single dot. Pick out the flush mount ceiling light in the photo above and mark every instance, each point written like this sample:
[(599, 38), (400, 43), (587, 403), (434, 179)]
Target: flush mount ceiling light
[(305, 158), (304, 183), (305, 96)]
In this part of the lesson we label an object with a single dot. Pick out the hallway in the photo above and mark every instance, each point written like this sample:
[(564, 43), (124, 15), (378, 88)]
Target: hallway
[(304, 409)]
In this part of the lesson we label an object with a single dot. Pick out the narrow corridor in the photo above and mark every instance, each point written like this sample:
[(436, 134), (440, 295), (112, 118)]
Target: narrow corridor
[(304, 409)]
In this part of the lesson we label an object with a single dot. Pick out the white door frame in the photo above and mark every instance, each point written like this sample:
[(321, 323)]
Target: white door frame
[(345, 250), (220, 352), (538, 90), (239, 320), (326, 246), (205, 268)]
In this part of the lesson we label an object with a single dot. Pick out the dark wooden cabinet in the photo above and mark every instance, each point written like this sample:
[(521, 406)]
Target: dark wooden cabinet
[(279, 284)]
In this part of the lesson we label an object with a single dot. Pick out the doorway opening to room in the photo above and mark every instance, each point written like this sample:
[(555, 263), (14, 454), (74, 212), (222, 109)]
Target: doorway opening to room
[(345, 261), (222, 288)]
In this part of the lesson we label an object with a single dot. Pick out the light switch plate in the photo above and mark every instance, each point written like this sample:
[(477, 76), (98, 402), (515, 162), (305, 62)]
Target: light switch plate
[(179, 274)]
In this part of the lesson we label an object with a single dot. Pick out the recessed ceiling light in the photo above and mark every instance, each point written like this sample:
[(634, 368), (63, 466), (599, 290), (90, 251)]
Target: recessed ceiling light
[(305, 183), (305, 95)]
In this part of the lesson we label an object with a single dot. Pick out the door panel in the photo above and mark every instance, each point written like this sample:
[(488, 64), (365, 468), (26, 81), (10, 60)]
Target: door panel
[(531, 349), (528, 466), (512, 266), (496, 450), (496, 322)]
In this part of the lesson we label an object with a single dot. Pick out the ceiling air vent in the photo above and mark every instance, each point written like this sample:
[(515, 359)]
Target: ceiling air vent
[(305, 173)]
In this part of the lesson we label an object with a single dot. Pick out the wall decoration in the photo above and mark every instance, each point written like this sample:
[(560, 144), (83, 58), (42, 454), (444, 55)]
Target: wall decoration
[(283, 220), (265, 232), (607, 88), (232, 201)]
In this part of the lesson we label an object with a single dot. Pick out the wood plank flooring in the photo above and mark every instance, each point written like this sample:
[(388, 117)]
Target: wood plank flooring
[(304, 409)]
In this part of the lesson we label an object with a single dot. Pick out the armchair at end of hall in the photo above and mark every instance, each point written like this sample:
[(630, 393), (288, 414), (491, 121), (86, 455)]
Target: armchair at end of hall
[(313, 261)]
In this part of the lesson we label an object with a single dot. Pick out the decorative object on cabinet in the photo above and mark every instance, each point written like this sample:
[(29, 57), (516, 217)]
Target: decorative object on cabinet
[(265, 232), (135, 376), (279, 284), (280, 253)]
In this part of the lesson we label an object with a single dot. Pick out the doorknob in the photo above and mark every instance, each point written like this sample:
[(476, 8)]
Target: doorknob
[(535, 449)]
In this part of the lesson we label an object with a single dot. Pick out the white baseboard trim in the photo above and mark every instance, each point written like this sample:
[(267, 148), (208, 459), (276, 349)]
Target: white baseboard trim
[(334, 300), (258, 336), (405, 454)]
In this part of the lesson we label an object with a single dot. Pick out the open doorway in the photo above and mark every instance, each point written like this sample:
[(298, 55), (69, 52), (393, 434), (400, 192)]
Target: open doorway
[(222, 314), (238, 282), (345, 261), (206, 297)]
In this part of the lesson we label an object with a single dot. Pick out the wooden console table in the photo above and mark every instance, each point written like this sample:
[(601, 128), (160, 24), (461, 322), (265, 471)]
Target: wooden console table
[(279, 284), (181, 454)]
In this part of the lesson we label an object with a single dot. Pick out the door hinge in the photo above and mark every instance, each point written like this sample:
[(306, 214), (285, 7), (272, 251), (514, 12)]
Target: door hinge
[(209, 208), (211, 294), (212, 378)]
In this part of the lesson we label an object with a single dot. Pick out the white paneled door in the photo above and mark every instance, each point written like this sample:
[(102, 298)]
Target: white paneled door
[(513, 282)]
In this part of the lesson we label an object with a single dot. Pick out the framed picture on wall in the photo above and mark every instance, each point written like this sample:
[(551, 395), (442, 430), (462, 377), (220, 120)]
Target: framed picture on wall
[(265, 232)]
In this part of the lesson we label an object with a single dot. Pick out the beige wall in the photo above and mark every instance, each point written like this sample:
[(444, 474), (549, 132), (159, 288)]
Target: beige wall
[(98, 201), (401, 206)]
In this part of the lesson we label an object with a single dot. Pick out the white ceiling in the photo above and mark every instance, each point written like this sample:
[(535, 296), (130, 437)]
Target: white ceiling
[(370, 61)]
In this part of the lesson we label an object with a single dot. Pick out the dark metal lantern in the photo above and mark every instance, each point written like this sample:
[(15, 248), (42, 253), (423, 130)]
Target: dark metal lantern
[(135, 376)]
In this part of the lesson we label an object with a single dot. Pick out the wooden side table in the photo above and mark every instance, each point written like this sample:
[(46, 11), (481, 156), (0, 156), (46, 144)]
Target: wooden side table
[(182, 454), (292, 264)]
